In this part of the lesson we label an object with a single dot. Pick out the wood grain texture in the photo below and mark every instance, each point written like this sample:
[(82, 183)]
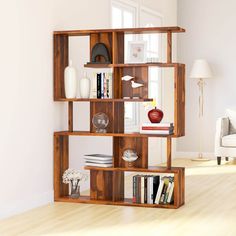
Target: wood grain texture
[(148, 30), (70, 116), (61, 163), (118, 47), (179, 102), (140, 145), (101, 185), (169, 146), (60, 62), (169, 47), (132, 134)]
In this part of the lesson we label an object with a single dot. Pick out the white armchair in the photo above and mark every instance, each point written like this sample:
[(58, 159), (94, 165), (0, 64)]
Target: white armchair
[(225, 139)]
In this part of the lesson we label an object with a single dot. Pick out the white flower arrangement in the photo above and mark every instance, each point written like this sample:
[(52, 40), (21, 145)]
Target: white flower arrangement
[(73, 177)]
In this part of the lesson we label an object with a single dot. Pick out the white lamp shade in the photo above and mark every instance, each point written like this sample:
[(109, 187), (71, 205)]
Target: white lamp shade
[(201, 70)]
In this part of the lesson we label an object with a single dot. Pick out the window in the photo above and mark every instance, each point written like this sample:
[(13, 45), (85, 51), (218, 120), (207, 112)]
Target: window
[(132, 15)]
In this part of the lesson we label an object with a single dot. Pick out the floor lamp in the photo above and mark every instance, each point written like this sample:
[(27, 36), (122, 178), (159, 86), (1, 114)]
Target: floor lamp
[(201, 70)]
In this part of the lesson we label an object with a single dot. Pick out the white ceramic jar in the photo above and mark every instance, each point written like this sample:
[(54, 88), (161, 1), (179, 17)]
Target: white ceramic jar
[(84, 87), (70, 81)]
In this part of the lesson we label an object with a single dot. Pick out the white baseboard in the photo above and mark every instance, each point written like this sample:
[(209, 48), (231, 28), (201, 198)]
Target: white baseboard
[(24, 204), (191, 155)]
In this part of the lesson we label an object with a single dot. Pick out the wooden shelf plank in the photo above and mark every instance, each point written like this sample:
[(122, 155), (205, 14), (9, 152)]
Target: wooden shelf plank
[(173, 29), (88, 133), (103, 100), (153, 169), (158, 64), (126, 202)]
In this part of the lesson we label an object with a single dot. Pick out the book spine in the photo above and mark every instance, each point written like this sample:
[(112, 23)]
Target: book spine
[(102, 85), (134, 189), (105, 85), (167, 193), (171, 194), (164, 132), (156, 128), (164, 191), (160, 188), (142, 189), (138, 196), (98, 85), (156, 182), (169, 125), (145, 188), (110, 85)]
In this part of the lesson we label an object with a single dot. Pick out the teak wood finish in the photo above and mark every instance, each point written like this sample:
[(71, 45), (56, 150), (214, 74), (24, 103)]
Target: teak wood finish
[(107, 184)]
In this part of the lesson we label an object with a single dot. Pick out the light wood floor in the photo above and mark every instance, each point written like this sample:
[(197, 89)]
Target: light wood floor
[(210, 209)]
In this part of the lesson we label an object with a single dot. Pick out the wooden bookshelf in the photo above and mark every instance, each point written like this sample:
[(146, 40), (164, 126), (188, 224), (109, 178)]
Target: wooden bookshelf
[(107, 184)]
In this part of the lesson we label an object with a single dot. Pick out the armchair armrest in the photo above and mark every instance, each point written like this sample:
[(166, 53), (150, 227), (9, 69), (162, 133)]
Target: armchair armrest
[(222, 129)]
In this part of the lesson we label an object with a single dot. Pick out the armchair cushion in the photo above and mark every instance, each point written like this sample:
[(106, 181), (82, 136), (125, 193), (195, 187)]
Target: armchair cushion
[(229, 140), (231, 114)]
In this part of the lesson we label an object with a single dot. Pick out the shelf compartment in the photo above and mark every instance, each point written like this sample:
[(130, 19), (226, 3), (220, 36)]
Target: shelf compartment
[(88, 133), (125, 202)]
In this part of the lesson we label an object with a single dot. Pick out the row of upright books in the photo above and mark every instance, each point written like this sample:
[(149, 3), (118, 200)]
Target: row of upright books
[(102, 85), (157, 128), (153, 189)]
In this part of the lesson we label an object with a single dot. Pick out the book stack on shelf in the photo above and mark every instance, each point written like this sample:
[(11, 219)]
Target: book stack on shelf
[(102, 85), (153, 189), (157, 128), (99, 160)]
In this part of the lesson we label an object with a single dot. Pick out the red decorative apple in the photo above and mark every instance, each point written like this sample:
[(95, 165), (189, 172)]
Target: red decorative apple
[(155, 115)]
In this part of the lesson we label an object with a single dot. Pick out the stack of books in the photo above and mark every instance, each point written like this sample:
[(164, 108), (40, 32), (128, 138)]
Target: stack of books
[(102, 85), (151, 189), (99, 160), (157, 128)]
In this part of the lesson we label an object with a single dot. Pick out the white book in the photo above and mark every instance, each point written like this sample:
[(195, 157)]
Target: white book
[(110, 85), (164, 132), (164, 124), (99, 156), (99, 161), (98, 165), (170, 193), (142, 189), (150, 190), (159, 191)]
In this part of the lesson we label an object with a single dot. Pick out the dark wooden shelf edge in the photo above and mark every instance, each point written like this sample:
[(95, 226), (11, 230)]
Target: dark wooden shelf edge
[(102, 100), (152, 169), (87, 133), (126, 202)]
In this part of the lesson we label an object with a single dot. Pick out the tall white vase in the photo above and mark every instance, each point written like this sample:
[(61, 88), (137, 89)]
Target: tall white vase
[(84, 87), (70, 81)]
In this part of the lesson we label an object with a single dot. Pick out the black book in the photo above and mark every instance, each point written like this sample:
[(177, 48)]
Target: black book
[(156, 182), (145, 188), (99, 78)]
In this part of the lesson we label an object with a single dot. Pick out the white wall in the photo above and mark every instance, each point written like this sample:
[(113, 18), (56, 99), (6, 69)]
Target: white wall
[(27, 109), (209, 34), (28, 114)]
